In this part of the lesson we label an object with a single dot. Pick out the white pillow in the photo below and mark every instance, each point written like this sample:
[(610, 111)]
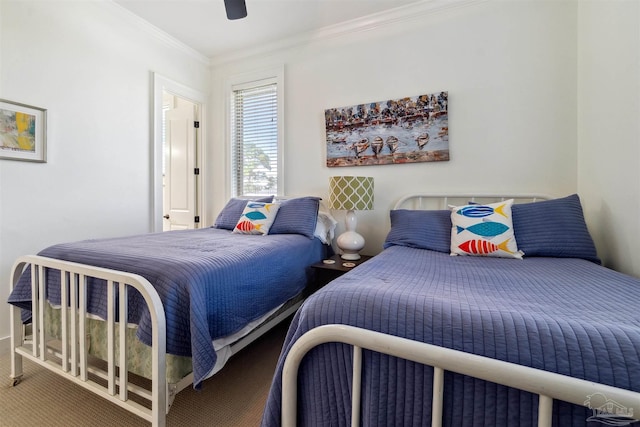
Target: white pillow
[(257, 218), (325, 227), (484, 230)]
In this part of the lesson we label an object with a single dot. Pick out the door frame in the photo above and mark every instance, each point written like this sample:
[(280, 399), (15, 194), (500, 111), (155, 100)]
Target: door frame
[(160, 85)]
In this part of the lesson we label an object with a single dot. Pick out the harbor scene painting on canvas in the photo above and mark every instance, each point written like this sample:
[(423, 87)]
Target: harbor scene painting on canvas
[(407, 130)]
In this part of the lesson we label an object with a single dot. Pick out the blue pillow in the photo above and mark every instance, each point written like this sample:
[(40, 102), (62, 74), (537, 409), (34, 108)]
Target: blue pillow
[(420, 229), (297, 216), (553, 228), (230, 214)]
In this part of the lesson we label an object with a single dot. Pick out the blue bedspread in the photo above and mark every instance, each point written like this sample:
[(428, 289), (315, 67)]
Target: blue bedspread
[(563, 315), (212, 282)]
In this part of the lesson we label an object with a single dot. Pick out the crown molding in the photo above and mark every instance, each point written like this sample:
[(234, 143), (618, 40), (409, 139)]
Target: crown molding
[(157, 33), (374, 21)]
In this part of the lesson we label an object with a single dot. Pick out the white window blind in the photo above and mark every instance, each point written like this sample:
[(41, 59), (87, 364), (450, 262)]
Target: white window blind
[(254, 139)]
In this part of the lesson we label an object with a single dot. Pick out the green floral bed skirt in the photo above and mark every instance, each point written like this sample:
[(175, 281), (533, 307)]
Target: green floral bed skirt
[(139, 354)]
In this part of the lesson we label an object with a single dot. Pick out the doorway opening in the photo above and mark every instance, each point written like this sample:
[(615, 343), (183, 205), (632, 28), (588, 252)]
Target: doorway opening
[(180, 171), (178, 152)]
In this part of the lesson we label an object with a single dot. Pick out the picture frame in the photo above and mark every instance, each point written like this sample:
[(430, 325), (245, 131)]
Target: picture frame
[(23, 132), (396, 131)]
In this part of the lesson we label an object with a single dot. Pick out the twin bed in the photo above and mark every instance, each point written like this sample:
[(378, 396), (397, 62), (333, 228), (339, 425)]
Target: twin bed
[(190, 298), (555, 323), (567, 328)]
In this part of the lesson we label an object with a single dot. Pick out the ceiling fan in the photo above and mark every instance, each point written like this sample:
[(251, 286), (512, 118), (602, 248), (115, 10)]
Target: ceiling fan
[(236, 9)]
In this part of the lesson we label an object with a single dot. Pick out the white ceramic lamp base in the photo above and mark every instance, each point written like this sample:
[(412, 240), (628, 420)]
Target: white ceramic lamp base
[(350, 242)]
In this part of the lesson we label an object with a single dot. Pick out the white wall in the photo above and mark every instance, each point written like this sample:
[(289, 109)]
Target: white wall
[(509, 67), (90, 65), (609, 128)]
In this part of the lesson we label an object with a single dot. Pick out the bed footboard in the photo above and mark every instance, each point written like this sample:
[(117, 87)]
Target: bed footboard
[(71, 359), (547, 385)]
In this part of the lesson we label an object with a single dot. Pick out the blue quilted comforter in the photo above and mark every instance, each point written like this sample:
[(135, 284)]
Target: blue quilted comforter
[(562, 315), (212, 282)]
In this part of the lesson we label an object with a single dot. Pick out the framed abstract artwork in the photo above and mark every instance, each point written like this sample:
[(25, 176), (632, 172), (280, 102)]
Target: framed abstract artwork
[(406, 130), (22, 132)]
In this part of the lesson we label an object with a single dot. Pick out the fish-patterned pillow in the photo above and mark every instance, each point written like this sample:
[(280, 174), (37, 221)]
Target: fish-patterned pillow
[(257, 218), (484, 230)]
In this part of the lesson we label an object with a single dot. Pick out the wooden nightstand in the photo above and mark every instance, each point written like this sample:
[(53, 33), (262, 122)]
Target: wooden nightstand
[(327, 272)]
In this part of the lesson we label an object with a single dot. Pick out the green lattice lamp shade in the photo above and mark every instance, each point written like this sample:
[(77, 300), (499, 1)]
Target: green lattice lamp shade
[(351, 193)]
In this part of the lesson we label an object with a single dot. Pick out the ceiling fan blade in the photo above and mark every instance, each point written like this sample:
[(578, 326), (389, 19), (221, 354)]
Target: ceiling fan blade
[(236, 9)]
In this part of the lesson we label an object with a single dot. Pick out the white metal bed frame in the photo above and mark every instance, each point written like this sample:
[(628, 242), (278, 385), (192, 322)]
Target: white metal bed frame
[(72, 359), (547, 385)]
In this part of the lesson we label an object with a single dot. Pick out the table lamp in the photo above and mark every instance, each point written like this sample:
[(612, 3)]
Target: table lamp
[(350, 193)]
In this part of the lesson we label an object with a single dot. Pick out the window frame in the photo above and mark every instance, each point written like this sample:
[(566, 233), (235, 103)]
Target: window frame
[(246, 81)]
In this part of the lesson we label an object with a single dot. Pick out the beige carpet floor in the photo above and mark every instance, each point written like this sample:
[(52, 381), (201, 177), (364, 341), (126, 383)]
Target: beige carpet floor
[(235, 396)]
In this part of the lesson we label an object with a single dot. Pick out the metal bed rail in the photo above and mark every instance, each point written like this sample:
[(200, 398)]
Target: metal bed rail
[(547, 385), (429, 201), (73, 362)]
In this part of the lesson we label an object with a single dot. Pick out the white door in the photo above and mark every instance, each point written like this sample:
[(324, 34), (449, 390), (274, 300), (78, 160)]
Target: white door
[(180, 151)]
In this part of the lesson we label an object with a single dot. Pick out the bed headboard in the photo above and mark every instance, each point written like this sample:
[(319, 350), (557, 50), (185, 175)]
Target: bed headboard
[(442, 201)]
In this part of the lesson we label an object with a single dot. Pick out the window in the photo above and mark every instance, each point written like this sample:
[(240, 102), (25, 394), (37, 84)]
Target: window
[(255, 137)]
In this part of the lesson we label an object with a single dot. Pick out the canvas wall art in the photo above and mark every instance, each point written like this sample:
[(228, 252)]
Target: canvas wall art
[(22, 132), (406, 130)]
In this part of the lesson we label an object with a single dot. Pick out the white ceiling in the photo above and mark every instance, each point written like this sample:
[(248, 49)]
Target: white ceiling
[(203, 25)]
